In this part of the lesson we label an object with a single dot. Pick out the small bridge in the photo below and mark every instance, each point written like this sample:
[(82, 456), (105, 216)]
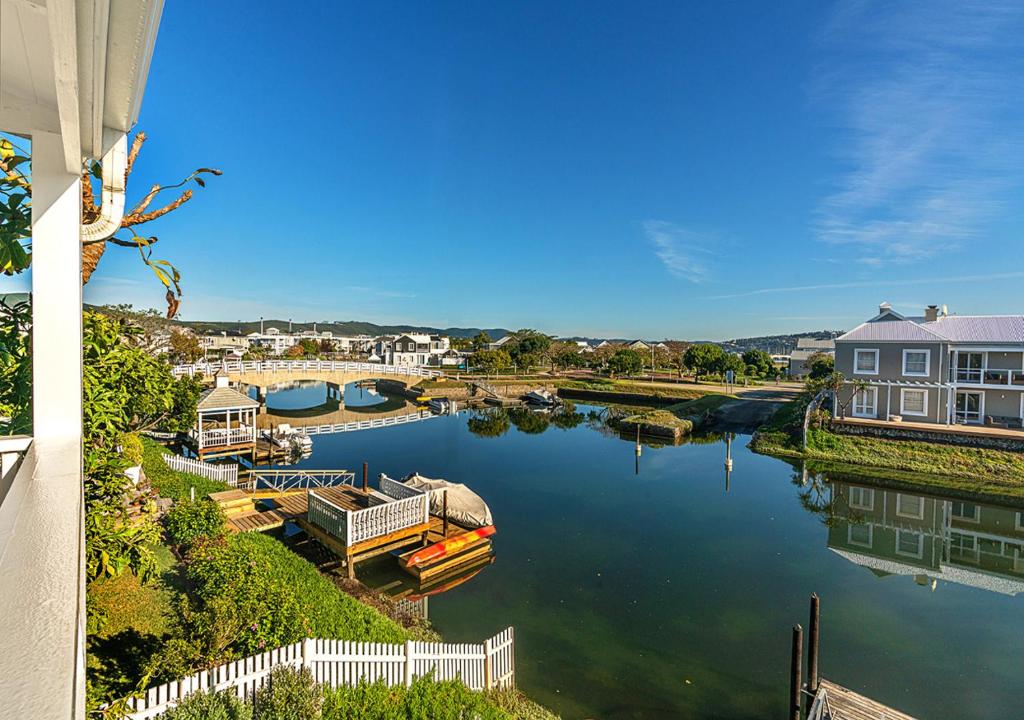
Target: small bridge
[(263, 373)]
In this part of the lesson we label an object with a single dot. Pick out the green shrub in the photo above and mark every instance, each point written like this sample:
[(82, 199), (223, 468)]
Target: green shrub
[(131, 449), (187, 521), (289, 694), (251, 593), (425, 700), (210, 706), (171, 483)]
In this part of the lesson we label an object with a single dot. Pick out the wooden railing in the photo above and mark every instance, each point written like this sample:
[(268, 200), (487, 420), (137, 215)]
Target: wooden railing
[(354, 526), (270, 366), (227, 473), (337, 663)]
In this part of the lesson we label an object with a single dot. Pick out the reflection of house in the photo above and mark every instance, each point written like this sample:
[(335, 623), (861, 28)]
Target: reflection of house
[(930, 538), (805, 349), (226, 423), (937, 368)]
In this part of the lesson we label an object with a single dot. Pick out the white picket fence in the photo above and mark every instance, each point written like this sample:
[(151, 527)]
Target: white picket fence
[(227, 473), (337, 663), (367, 424), (270, 366)]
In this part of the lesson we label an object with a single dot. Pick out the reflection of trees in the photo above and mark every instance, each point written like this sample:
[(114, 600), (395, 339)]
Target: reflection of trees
[(817, 499), (566, 417), (527, 421), (489, 423)]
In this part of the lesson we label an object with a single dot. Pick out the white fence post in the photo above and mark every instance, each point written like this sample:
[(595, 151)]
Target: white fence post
[(408, 663), (488, 670)]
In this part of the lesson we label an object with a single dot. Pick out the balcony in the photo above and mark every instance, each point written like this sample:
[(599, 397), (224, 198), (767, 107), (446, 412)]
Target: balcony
[(988, 376)]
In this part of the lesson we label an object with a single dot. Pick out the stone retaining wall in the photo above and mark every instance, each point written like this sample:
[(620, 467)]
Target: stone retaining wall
[(894, 432)]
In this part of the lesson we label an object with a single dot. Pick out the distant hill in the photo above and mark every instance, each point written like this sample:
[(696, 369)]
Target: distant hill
[(342, 327), (776, 344)]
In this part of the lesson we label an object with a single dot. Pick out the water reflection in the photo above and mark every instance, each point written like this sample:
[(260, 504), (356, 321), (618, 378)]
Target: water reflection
[(494, 422), (924, 536)]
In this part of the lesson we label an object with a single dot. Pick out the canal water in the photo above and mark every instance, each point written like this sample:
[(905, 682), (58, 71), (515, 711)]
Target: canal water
[(667, 590)]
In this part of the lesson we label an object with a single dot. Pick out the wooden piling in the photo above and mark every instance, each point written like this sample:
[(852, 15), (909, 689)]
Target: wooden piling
[(812, 644), (795, 667), (366, 477), (444, 512)]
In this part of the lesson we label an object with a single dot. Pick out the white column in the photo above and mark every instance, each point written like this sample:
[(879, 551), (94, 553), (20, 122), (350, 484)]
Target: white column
[(56, 295)]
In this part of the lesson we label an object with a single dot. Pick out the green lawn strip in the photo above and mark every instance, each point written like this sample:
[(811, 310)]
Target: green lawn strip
[(171, 483), (953, 467)]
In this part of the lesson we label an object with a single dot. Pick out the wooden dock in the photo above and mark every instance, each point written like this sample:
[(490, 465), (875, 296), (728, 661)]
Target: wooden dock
[(834, 702)]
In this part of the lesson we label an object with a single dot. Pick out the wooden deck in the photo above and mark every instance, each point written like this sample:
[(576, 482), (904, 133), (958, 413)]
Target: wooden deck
[(938, 428), (845, 704)]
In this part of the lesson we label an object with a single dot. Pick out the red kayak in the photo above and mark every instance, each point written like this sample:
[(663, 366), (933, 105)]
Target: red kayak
[(450, 546)]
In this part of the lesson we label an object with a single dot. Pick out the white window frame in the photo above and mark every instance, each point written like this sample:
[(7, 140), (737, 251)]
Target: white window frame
[(857, 352), (902, 513), (903, 408), (871, 535), (975, 518), (874, 403), (863, 493), (919, 553), (1019, 521), (927, 362)]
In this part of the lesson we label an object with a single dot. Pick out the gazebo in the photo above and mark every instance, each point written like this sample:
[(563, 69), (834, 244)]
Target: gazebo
[(226, 423)]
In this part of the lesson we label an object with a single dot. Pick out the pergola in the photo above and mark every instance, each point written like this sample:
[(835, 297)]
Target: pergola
[(226, 423), (72, 74)]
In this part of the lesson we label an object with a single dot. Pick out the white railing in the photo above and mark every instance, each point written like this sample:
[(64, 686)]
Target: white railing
[(337, 663), (397, 490), (216, 437), (988, 376), (282, 480), (271, 366), (224, 473), (355, 526), (354, 425)]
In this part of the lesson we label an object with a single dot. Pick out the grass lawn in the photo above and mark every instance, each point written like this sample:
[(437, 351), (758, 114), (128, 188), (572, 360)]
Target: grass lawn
[(953, 467), (170, 483), (679, 417)]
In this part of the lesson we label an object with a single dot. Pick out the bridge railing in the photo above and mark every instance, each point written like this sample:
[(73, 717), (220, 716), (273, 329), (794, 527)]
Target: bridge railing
[(270, 366), (366, 424), (282, 480)]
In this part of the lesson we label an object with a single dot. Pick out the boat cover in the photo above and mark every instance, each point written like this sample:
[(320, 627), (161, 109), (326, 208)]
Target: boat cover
[(464, 506)]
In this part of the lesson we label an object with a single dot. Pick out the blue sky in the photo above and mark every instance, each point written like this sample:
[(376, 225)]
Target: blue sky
[(655, 169)]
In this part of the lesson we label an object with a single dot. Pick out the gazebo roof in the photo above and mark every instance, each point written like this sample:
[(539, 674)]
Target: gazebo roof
[(224, 398)]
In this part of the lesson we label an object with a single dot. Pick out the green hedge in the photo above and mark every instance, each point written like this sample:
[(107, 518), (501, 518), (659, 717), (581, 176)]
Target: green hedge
[(171, 483), (188, 520), (271, 597)]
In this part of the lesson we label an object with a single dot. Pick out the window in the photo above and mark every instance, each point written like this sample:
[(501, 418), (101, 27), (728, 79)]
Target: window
[(966, 511), (862, 498), (910, 506), (917, 362), (913, 402), (865, 403), (865, 362), (963, 547), (909, 543), (859, 534)]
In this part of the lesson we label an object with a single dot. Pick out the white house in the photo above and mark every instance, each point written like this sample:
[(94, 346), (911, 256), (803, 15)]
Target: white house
[(72, 77), (414, 349)]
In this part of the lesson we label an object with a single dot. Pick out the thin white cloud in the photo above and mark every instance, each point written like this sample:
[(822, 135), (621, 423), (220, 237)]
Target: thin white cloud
[(926, 96), (378, 292), (958, 279), (678, 249)]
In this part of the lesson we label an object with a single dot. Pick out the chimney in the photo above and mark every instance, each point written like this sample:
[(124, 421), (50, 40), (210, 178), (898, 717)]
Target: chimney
[(220, 379), (884, 308), (931, 313)]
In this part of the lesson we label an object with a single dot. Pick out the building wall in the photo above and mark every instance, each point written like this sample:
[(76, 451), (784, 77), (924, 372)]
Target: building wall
[(890, 360)]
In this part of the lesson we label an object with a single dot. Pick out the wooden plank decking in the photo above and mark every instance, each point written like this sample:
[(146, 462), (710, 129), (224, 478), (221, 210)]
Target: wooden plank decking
[(848, 705), (938, 428)]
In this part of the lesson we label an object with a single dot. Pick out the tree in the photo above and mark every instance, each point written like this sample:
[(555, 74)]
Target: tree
[(821, 365), (703, 359), (490, 361), (836, 382), (625, 362), (325, 346), (760, 361), (565, 355), (730, 361), (296, 351), (527, 347), (185, 347), (16, 220), (461, 343), (481, 340)]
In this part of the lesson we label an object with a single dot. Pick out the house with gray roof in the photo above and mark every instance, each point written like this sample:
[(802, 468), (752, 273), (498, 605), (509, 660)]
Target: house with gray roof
[(806, 348), (935, 368)]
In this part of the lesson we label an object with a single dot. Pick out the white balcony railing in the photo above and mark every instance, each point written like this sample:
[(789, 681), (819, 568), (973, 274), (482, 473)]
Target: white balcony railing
[(988, 376)]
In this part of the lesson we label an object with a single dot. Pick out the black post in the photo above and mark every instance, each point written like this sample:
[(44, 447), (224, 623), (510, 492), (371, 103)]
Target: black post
[(366, 477), (444, 512), (812, 645), (795, 666)]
